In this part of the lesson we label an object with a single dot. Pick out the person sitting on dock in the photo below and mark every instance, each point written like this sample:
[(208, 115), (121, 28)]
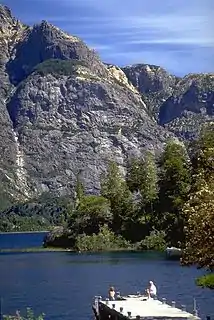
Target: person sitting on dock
[(111, 294), (152, 290)]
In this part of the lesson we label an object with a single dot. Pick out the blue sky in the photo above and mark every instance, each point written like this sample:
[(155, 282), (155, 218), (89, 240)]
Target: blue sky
[(175, 34)]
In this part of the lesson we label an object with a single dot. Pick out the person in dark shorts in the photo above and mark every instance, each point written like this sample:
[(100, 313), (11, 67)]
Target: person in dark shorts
[(111, 294)]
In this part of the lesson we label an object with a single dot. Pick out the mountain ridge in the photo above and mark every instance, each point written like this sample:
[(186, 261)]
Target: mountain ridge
[(64, 112)]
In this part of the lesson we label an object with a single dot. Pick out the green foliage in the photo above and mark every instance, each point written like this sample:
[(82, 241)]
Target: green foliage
[(203, 152), (149, 180), (199, 208), (142, 177), (115, 189), (91, 213), (105, 240), (154, 241), (5, 199), (35, 215), (160, 203), (79, 191), (174, 186), (199, 226), (175, 176), (133, 175), (206, 281), (29, 316), (58, 67)]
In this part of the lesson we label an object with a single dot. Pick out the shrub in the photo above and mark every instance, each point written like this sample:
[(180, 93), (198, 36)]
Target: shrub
[(206, 281), (105, 240), (154, 241), (29, 316), (59, 67)]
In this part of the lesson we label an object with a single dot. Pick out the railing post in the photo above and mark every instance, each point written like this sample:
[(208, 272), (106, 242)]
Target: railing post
[(1, 308), (183, 307), (195, 311)]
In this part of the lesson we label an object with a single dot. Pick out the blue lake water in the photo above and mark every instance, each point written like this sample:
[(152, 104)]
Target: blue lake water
[(63, 284), (21, 240)]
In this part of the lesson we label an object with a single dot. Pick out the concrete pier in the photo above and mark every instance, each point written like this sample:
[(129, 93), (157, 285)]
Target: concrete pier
[(139, 307)]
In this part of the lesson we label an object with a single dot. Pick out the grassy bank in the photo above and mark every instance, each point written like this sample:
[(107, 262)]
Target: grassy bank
[(206, 281), (55, 249), (35, 249), (17, 232)]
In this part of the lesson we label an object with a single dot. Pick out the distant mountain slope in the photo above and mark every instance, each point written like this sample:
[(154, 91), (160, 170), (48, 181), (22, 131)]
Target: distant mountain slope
[(63, 111)]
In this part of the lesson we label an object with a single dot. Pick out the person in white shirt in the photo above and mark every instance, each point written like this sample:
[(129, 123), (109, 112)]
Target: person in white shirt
[(152, 290)]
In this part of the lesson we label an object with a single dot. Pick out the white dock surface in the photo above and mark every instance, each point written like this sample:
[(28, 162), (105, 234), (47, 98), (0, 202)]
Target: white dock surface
[(148, 308)]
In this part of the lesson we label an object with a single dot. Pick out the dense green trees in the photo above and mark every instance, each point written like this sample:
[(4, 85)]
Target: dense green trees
[(199, 209), (146, 203), (37, 214), (115, 189), (168, 200), (91, 213), (174, 186)]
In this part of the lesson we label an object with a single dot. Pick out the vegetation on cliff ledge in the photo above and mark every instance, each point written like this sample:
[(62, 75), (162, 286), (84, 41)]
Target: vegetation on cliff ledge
[(59, 67)]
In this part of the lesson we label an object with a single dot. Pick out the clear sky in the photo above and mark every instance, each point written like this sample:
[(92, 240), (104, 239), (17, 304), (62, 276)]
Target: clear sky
[(175, 34)]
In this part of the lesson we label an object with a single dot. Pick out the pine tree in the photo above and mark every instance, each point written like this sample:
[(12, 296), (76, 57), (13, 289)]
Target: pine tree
[(199, 209), (199, 229), (174, 187), (79, 191), (115, 189), (149, 181), (133, 175)]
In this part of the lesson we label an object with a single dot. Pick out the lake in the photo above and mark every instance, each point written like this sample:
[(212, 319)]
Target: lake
[(63, 284)]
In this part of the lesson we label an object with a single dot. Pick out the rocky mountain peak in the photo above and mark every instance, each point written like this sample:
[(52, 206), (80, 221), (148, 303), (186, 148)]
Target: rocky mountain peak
[(190, 106), (5, 13), (153, 82), (44, 41), (8, 24), (150, 78), (63, 111), (49, 30)]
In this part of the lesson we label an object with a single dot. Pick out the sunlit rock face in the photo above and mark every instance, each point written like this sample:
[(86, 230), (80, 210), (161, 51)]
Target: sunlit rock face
[(63, 112)]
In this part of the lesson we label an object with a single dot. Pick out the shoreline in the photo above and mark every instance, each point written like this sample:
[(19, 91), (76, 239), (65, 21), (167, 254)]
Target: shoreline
[(55, 249), (18, 232), (34, 250)]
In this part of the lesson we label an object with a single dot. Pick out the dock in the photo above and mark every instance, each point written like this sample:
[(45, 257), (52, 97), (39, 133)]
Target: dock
[(140, 308)]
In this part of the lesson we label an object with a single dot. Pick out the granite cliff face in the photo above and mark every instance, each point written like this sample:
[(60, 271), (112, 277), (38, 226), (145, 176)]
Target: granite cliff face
[(190, 106), (153, 82), (181, 105), (63, 112)]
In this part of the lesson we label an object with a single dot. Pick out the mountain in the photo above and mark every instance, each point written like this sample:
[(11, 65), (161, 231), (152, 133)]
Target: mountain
[(153, 82), (64, 112)]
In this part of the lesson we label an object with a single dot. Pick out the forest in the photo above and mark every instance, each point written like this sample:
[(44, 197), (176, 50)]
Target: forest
[(165, 200)]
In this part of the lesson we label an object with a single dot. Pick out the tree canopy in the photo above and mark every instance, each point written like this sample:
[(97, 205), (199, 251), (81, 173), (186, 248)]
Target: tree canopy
[(199, 209), (165, 200)]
